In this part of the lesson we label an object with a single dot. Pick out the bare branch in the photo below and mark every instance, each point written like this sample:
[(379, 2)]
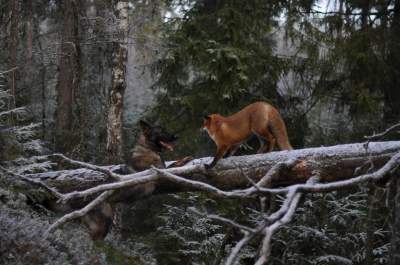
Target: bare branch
[(380, 135), (35, 182), (9, 70), (285, 205), (79, 213), (147, 176), (289, 209), (108, 187), (19, 110), (290, 198), (388, 168), (200, 186), (234, 255), (274, 171), (251, 181), (223, 220), (264, 172), (107, 172)]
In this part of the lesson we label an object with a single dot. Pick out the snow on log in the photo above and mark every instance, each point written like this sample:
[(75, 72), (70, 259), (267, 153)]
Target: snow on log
[(286, 168)]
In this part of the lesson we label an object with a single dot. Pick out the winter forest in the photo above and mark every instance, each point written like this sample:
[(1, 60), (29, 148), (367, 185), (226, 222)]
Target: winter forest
[(205, 132)]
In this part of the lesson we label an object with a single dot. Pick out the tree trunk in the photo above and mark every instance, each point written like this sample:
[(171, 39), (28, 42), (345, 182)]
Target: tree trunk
[(365, 9), (68, 77), (232, 177), (332, 164), (114, 119), (12, 50), (29, 31), (28, 69), (395, 222), (392, 88)]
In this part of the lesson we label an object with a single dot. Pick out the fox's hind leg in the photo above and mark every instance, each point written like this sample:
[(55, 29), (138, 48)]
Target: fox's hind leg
[(232, 150), (267, 141)]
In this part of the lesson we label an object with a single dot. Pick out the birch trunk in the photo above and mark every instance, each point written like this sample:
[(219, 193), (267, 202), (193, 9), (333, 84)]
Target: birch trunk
[(114, 119)]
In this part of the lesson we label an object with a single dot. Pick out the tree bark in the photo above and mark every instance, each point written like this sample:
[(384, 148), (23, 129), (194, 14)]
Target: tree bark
[(329, 163), (12, 49), (29, 31), (395, 223), (365, 10), (68, 77), (115, 112), (391, 115), (343, 166), (391, 89), (29, 77)]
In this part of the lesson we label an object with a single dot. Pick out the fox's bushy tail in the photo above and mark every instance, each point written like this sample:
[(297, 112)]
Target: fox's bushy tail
[(278, 129)]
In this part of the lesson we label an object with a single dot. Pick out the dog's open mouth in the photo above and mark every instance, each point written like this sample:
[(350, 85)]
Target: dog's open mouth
[(168, 146)]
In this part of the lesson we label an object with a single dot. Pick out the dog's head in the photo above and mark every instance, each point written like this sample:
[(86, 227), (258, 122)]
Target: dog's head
[(156, 136)]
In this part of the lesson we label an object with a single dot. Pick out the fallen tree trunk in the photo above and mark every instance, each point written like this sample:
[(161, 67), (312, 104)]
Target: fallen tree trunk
[(92, 190), (330, 163)]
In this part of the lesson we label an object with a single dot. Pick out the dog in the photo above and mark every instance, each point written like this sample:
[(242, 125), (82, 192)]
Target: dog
[(147, 152), (152, 142)]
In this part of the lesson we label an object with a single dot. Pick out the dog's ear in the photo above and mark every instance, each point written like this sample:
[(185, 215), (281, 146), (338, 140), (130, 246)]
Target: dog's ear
[(145, 126)]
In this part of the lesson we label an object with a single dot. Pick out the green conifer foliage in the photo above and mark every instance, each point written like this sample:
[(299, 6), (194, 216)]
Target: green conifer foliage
[(218, 59)]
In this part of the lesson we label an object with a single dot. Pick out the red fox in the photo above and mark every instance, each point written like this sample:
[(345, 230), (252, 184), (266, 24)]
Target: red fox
[(259, 118)]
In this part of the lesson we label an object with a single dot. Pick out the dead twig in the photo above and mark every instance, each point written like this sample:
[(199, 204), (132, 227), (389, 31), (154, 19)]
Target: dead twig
[(79, 213)]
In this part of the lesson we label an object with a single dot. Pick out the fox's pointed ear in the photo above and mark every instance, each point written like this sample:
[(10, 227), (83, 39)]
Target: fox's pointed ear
[(144, 126)]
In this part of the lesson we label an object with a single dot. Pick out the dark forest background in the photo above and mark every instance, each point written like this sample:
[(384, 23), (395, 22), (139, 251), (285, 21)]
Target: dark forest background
[(76, 77)]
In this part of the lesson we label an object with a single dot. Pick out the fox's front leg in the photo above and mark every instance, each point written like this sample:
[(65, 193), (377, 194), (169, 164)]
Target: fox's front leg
[(221, 150)]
